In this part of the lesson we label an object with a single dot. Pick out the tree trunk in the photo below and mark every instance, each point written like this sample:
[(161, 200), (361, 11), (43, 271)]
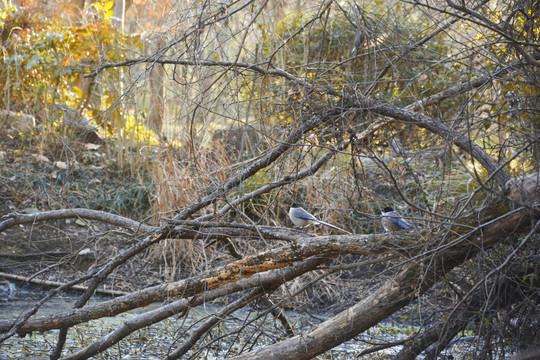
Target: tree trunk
[(399, 291)]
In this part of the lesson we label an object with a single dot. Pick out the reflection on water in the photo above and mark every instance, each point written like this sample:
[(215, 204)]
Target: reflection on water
[(234, 334)]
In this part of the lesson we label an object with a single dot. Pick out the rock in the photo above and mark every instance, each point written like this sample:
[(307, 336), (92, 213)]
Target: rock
[(74, 123), (85, 259), (524, 189), (23, 123)]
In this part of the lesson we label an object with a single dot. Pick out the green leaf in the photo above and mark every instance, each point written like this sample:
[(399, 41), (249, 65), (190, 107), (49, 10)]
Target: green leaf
[(33, 61)]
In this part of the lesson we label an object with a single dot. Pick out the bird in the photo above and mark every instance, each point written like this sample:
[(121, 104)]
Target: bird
[(392, 221), (302, 218), (396, 150), (358, 41)]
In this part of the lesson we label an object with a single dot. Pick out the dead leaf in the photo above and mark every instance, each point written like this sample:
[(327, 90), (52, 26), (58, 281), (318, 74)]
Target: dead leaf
[(30, 210), (43, 159), (61, 165), (90, 146)]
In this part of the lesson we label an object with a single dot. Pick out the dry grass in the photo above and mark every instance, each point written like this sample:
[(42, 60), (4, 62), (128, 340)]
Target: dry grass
[(182, 176)]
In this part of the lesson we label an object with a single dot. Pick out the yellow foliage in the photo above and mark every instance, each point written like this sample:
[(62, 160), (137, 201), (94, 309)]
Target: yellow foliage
[(135, 129), (7, 7)]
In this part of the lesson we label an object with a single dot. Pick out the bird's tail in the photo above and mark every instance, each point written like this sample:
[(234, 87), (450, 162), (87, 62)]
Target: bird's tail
[(411, 226), (332, 226)]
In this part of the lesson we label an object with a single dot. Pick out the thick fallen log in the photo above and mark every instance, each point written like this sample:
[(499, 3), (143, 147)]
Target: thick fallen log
[(493, 223), (269, 280), (327, 246), (414, 280)]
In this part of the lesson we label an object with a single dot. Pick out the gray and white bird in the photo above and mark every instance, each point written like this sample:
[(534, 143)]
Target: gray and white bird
[(301, 218), (359, 41), (392, 221)]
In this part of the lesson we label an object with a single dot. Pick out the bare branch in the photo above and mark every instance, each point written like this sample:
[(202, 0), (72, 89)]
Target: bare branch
[(437, 127), (281, 182), (274, 154), (263, 280), (327, 246), (393, 295), (134, 226), (59, 284), (412, 47)]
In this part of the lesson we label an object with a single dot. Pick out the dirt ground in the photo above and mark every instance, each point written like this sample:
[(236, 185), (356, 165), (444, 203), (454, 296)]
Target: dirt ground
[(31, 182)]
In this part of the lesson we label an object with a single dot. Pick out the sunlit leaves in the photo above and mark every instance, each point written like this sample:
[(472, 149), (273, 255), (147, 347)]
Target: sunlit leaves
[(46, 57), (7, 7), (103, 8)]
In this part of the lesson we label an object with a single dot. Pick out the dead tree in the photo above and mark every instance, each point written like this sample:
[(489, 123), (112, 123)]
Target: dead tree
[(335, 120)]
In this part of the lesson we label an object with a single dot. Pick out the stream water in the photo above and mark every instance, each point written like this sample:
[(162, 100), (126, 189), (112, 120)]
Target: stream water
[(243, 329)]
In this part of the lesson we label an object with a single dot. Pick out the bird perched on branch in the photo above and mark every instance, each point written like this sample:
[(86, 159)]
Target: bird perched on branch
[(392, 221), (302, 218), (359, 41)]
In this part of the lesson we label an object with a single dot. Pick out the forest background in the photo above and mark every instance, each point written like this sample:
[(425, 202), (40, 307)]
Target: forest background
[(193, 125)]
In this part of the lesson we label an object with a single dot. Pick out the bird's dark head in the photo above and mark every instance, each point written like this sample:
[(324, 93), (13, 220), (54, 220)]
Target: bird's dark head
[(387, 209), (295, 205)]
